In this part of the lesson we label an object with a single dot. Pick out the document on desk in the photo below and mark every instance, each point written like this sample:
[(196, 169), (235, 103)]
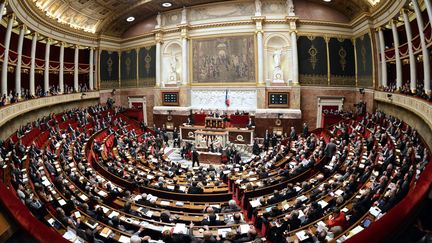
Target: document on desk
[(105, 232), (180, 229), (124, 239), (222, 232), (301, 235), (113, 214)]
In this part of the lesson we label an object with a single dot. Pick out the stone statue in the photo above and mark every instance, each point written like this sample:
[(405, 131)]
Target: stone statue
[(158, 20), (290, 7), (277, 58), (173, 69), (277, 70), (183, 15), (258, 5)]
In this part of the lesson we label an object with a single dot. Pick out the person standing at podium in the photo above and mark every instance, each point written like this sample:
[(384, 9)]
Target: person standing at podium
[(251, 124), (195, 158)]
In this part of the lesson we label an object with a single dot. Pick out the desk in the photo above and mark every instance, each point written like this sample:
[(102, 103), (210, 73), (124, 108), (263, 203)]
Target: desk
[(210, 158), (235, 135), (214, 122)]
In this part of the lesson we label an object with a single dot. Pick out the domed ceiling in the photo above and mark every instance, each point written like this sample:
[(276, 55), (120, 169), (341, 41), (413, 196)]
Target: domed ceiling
[(109, 16)]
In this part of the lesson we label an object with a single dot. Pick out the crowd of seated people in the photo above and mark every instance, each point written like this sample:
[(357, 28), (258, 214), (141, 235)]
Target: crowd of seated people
[(406, 90), (379, 178), (369, 162), (13, 96)]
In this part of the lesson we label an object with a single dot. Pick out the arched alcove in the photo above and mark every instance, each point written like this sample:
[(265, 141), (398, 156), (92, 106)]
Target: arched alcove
[(277, 58), (171, 63)]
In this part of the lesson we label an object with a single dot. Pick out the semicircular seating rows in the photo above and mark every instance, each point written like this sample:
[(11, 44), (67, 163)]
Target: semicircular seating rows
[(97, 175)]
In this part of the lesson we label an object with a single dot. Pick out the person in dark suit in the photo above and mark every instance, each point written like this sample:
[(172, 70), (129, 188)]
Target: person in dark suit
[(195, 189), (195, 158), (251, 124), (330, 149), (305, 130)]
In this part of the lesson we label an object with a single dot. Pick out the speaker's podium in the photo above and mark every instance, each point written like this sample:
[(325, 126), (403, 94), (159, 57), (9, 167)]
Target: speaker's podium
[(214, 122)]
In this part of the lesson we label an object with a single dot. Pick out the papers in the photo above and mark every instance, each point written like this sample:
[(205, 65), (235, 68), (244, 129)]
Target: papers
[(301, 216), (222, 232), (77, 214), (170, 187), (62, 202), (165, 203), (345, 210), (302, 198), (180, 229), (70, 236), (244, 228), (255, 203), (165, 228), (105, 232), (321, 226), (113, 214), (323, 204), (356, 230), (179, 203), (339, 192), (301, 235), (84, 197), (182, 188), (124, 239), (91, 223), (102, 193), (375, 211)]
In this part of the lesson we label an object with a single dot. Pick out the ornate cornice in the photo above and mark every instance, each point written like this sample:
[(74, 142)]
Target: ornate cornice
[(28, 14)]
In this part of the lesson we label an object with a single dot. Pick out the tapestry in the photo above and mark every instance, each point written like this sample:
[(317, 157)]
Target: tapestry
[(109, 69)]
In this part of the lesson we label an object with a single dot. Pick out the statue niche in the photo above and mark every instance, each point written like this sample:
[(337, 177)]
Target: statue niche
[(277, 70)]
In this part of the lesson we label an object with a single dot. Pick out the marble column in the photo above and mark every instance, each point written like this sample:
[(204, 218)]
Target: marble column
[(294, 58), (47, 66), (260, 47), (2, 6), (19, 61), (61, 71), (96, 72), (185, 78), (91, 66), (412, 61), (425, 52), (397, 55), (4, 88), (33, 64), (76, 66), (158, 64), (383, 58)]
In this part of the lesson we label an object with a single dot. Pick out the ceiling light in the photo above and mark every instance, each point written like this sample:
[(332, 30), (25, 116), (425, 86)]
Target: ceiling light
[(130, 19), (327, 1), (166, 4)]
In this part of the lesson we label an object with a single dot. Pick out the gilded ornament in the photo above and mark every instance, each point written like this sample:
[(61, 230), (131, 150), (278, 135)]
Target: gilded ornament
[(109, 63), (147, 64), (313, 52), (363, 55), (342, 56), (128, 63)]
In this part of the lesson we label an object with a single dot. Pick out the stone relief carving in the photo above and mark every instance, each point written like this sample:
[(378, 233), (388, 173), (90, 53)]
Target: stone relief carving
[(275, 7), (215, 99), (172, 18), (221, 11)]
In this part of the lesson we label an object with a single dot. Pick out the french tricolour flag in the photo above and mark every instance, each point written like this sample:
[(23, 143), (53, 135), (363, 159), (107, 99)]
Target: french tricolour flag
[(227, 100)]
